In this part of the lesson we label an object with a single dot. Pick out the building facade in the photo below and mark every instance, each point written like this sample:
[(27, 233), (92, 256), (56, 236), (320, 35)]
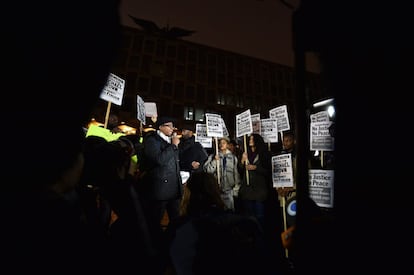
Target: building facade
[(187, 80)]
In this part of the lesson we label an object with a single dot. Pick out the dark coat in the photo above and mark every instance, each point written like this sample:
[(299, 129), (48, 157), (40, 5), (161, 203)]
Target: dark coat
[(162, 180), (190, 151), (216, 242), (259, 179)]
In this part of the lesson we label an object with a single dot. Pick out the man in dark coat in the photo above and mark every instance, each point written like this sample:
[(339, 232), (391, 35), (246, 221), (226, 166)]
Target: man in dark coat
[(192, 153), (161, 185)]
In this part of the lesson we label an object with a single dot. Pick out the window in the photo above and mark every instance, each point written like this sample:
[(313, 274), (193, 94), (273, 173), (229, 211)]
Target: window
[(167, 89), (211, 60), (182, 50), (137, 45), (222, 80), (179, 89), (199, 114), (201, 90), (230, 81), (211, 98), (170, 70), (146, 64), (171, 51), (121, 59), (158, 68), (239, 101), (180, 71), (221, 64), (131, 80), (143, 84), (249, 101), (221, 99), (249, 85), (230, 65), (190, 92), (202, 76), (212, 77), (134, 62), (191, 73), (265, 86), (230, 100), (202, 59), (192, 56), (177, 110), (160, 48), (155, 86), (126, 41), (239, 66), (149, 46), (188, 113), (257, 89)]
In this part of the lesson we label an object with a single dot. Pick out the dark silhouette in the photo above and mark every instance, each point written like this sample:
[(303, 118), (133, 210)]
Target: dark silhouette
[(367, 56), (207, 239), (107, 169), (54, 78), (169, 32), (192, 153)]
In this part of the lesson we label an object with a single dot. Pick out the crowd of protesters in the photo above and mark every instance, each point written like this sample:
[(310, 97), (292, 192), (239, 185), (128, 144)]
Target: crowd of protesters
[(127, 205)]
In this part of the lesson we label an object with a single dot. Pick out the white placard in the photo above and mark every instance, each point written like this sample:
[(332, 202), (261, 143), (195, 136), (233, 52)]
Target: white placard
[(256, 123), (201, 136), (282, 171), (322, 116), (140, 110), (320, 137), (281, 115), (113, 90), (244, 124), (225, 131), (214, 127), (151, 109), (269, 130), (321, 187)]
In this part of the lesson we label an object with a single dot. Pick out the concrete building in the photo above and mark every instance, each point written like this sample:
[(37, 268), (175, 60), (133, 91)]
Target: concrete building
[(186, 80)]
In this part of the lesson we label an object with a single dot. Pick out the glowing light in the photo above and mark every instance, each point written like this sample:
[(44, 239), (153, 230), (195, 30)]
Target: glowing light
[(331, 110), (323, 102)]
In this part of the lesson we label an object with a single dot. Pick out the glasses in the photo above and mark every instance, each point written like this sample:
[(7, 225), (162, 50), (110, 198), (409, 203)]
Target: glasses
[(169, 125)]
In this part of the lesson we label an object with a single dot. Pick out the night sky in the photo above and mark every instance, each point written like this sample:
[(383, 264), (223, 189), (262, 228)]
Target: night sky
[(256, 28)]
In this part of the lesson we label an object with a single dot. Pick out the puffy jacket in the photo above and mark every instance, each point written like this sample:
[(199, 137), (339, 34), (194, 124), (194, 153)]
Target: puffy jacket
[(229, 175)]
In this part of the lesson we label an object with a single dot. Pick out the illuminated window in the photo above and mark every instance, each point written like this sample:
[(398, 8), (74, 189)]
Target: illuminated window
[(188, 113)]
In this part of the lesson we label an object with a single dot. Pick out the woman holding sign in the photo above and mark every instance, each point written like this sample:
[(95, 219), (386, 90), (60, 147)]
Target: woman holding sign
[(254, 190)]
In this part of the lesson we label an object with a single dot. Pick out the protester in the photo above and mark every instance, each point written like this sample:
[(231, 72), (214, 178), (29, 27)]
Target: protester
[(255, 169), (192, 153), (223, 165), (161, 186), (208, 239), (54, 78)]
